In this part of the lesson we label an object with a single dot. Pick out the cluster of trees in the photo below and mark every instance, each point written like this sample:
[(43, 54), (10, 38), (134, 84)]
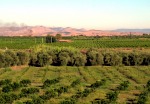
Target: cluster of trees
[(71, 57), (11, 58)]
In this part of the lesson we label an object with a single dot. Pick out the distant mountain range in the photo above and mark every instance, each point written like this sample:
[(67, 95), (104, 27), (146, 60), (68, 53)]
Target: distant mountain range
[(133, 30), (68, 31)]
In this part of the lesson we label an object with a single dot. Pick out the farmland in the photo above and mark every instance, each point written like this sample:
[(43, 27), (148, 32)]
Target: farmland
[(136, 75), (27, 42), (85, 71)]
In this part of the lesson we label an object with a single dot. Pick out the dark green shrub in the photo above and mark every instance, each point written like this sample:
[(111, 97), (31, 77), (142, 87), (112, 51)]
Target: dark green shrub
[(25, 82), (112, 96), (62, 90), (38, 101), (124, 85), (28, 102), (15, 86), (6, 89), (98, 83), (48, 82), (49, 94), (8, 98), (68, 101), (5, 82), (27, 91), (142, 98)]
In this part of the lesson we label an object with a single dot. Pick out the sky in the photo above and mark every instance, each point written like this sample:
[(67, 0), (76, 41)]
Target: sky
[(89, 14)]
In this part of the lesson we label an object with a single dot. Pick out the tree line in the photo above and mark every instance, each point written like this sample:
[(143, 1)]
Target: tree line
[(42, 56)]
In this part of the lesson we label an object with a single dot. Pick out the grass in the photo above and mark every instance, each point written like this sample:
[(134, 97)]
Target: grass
[(137, 76)]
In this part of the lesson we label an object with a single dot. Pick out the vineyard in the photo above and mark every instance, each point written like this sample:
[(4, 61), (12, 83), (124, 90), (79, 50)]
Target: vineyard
[(75, 85), (27, 42)]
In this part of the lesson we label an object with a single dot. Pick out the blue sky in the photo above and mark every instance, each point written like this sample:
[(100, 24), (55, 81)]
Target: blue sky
[(90, 14)]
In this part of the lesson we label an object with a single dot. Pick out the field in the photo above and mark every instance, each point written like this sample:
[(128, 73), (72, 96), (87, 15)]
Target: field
[(27, 42), (137, 77)]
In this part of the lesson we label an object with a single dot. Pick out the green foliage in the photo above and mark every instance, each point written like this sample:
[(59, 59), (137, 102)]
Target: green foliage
[(62, 90), (68, 101), (27, 91), (63, 58), (49, 94), (2, 60), (8, 98), (7, 89), (58, 36), (94, 57), (79, 59), (38, 101), (23, 58), (124, 85), (15, 86), (48, 83), (13, 57), (50, 39), (76, 82), (135, 59), (112, 96), (25, 82), (43, 59), (5, 82), (112, 59), (98, 84), (142, 98), (100, 101)]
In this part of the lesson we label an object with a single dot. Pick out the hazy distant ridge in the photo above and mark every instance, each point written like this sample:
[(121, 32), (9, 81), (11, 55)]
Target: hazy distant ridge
[(133, 30)]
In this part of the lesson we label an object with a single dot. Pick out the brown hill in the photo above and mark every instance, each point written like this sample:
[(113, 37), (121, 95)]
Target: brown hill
[(43, 31)]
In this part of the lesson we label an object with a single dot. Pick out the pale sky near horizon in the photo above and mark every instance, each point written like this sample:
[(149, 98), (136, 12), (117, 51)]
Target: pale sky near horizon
[(90, 14)]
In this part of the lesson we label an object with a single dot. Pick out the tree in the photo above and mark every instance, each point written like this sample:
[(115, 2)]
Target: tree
[(58, 36), (23, 58), (79, 59), (64, 58), (50, 39), (14, 57), (43, 59), (94, 58)]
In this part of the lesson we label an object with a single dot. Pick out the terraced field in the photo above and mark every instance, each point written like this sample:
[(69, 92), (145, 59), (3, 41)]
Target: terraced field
[(137, 77)]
